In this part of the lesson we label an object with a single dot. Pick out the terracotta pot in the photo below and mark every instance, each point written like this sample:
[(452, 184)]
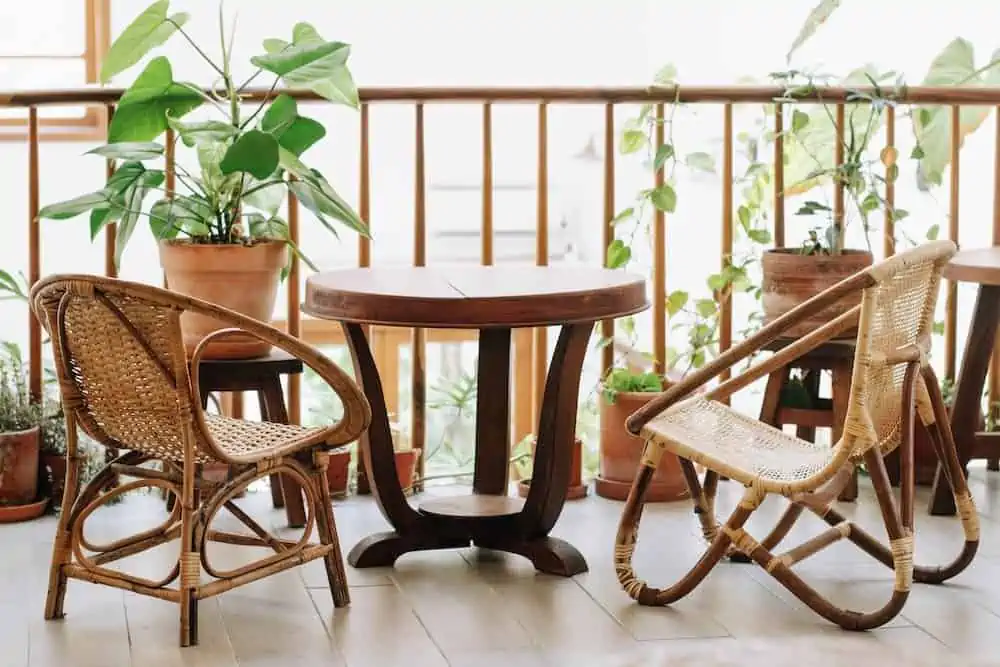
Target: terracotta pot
[(241, 278), (620, 452), (19, 456), (338, 473), (55, 467), (14, 513), (791, 278), (406, 468), (576, 489)]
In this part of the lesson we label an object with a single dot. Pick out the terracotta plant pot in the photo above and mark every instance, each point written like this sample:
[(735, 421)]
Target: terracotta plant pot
[(620, 452), (19, 456), (406, 468), (54, 466), (338, 473), (791, 278), (576, 489), (241, 278)]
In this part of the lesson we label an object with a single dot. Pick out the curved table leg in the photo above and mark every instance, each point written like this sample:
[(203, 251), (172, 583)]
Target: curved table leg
[(529, 535), (971, 380)]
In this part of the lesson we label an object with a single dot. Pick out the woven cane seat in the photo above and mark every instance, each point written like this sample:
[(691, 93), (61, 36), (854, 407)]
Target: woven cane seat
[(735, 445), (237, 437)]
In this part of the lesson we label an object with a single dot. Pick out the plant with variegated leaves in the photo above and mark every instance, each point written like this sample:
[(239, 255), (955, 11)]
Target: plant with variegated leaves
[(248, 164)]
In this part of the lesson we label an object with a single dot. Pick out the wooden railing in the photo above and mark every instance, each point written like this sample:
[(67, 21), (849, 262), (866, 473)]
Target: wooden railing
[(530, 349)]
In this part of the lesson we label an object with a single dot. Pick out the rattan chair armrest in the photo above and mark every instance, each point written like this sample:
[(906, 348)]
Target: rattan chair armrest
[(638, 419), (357, 412)]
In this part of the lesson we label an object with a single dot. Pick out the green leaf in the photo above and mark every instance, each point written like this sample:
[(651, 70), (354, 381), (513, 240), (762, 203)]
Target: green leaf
[(255, 153), (938, 328), (143, 109), (623, 215), (663, 153), (632, 141), (870, 203), (761, 236), (193, 134), (147, 31), (74, 207), (817, 17), (676, 301), (129, 150), (188, 214), (267, 198), (899, 214), (263, 227), (800, 119), (706, 307), (666, 75), (743, 215), (131, 199), (311, 62), (101, 217), (618, 254), (933, 232), (716, 282), (954, 66), (664, 198), (294, 133), (917, 153), (316, 194), (161, 220), (700, 161)]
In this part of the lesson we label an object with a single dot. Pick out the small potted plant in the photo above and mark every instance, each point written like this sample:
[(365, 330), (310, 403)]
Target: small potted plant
[(523, 456), (222, 239), (19, 446)]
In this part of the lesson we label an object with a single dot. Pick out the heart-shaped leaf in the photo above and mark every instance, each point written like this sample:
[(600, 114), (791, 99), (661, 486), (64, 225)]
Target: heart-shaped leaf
[(169, 217), (129, 150), (294, 133), (311, 62), (954, 66), (200, 132), (148, 30), (143, 109), (255, 153)]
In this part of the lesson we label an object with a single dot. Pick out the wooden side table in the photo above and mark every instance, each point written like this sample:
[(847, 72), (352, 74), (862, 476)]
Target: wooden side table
[(981, 267), (493, 300), (263, 376), (837, 357)]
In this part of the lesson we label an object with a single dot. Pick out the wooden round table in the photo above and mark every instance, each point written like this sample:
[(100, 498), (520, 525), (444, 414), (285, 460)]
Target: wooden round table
[(493, 300), (982, 267)]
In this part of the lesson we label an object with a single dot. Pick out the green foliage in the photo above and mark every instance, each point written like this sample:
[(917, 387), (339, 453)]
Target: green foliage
[(623, 380), (248, 165), (17, 411)]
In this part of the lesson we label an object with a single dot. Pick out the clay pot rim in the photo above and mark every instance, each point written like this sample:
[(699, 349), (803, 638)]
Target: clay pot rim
[(796, 252), (14, 434), (24, 511), (187, 243)]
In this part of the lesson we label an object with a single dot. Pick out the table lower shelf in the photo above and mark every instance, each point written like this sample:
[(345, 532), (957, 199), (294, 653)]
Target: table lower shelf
[(472, 506)]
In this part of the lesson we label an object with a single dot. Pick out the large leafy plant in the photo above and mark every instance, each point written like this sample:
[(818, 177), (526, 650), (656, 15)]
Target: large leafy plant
[(247, 163)]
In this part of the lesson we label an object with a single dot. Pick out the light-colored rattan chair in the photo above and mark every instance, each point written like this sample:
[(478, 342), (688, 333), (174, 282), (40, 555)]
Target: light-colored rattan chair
[(126, 381), (892, 382)]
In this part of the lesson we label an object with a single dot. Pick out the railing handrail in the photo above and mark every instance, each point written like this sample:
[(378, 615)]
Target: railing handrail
[(736, 94)]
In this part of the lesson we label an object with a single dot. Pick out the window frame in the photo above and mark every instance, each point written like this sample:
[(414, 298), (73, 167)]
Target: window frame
[(92, 124)]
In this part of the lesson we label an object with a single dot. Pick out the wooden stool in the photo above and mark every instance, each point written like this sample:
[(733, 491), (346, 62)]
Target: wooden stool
[(262, 375), (781, 407)]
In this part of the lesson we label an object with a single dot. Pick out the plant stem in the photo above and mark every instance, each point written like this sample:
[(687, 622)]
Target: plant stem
[(267, 98), (196, 47)]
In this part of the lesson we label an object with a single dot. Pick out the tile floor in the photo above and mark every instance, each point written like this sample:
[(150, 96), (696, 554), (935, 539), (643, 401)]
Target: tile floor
[(467, 608)]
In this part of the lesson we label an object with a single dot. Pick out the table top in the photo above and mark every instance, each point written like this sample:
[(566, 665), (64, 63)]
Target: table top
[(474, 297), (981, 265)]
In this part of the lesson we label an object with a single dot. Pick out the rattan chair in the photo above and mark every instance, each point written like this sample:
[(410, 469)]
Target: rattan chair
[(126, 381), (892, 307)]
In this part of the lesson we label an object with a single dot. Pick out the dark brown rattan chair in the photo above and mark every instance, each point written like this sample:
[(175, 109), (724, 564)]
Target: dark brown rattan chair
[(126, 381), (892, 382)]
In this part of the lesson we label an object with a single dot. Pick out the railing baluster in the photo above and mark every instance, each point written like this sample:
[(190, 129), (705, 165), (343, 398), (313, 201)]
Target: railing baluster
[(34, 257), (995, 362), (838, 184), (294, 321), (417, 390), (779, 175), (111, 229), (364, 191), (540, 352), (659, 264), (889, 236), (487, 230), (726, 305), (607, 231), (951, 297)]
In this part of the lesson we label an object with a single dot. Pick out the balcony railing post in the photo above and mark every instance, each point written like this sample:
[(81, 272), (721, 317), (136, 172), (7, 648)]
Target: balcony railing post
[(34, 257)]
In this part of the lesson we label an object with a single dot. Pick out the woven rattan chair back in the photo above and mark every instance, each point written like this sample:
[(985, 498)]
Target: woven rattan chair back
[(121, 364), (897, 317)]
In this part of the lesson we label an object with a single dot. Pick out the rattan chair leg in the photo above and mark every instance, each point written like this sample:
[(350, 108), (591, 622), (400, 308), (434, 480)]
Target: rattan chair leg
[(62, 546), (326, 525)]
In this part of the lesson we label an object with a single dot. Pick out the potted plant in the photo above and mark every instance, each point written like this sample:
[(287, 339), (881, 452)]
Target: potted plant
[(19, 446), (523, 456), (222, 240)]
